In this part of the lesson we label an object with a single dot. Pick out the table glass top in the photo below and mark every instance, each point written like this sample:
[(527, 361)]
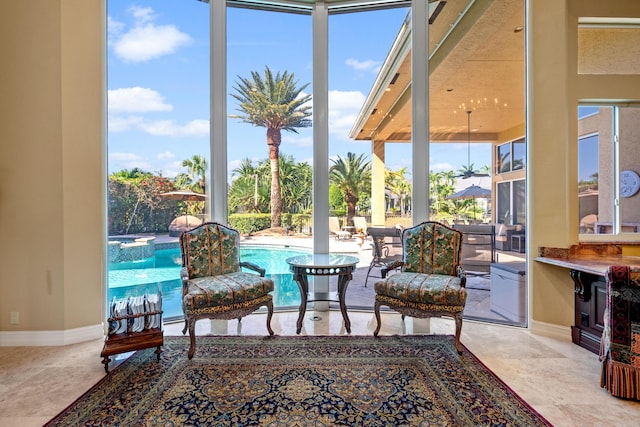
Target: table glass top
[(322, 260)]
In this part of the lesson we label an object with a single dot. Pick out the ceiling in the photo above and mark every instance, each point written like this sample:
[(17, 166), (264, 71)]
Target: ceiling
[(477, 63)]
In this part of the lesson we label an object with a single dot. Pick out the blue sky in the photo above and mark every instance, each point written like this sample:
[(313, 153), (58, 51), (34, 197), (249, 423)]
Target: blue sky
[(158, 83)]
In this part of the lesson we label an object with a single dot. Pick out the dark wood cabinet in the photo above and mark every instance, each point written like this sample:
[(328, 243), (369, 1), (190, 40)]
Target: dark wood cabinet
[(590, 304)]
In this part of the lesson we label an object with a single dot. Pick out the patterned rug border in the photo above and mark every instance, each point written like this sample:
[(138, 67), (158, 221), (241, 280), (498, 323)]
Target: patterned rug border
[(205, 341)]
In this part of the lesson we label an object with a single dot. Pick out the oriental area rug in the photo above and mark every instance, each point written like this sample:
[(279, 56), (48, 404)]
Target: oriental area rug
[(302, 381)]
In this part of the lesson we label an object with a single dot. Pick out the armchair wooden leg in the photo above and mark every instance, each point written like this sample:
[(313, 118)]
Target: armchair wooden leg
[(458, 318), (376, 310), (269, 316), (192, 336)]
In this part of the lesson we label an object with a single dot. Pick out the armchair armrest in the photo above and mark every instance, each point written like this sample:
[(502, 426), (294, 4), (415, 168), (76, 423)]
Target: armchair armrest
[(389, 267), (184, 277), (462, 275), (254, 267)]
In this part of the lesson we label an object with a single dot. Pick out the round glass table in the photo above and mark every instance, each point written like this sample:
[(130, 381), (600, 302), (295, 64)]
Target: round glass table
[(303, 266)]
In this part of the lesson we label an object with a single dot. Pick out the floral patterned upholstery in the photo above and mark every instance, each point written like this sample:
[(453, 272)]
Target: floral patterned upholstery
[(431, 282), (213, 284), (620, 343)]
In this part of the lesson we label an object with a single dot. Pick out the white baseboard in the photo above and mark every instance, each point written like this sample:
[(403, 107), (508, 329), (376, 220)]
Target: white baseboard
[(49, 338), (550, 330)]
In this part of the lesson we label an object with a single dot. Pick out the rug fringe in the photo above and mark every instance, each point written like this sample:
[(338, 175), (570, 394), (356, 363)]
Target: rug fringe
[(620, 379)]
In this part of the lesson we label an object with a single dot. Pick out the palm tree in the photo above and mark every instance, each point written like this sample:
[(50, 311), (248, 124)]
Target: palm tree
[(352, 177), (245, 191), (197, 171), (396, 183), (276, 103), (441, 185)]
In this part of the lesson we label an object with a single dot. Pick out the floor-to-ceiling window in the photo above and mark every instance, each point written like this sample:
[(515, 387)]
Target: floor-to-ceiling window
[(368, 104), (158, 140)]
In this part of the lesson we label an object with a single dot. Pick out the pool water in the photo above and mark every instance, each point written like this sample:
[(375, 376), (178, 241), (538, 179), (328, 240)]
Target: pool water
[(163, 272)]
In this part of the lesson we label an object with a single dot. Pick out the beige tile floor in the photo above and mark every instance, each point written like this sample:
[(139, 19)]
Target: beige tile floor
[(558, 378)]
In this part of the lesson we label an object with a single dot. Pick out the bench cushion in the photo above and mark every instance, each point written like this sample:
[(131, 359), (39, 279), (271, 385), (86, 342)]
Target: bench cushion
[(231, 289), (432, 289)]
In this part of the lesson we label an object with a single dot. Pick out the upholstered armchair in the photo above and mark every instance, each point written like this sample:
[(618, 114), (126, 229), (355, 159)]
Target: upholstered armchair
[(213, 283), (620, 343), (431, 282)]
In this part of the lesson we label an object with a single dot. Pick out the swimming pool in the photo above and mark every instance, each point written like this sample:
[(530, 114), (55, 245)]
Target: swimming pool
[(163, 271)]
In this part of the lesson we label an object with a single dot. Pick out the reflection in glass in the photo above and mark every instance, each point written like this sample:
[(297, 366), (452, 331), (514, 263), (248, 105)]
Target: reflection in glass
[(503, 213), (588, 183), (519, 154), (504, 158)]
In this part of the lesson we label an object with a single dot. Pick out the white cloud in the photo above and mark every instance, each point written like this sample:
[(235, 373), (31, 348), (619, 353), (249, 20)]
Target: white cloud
[(440, 167), (158, 127), (171, 128), (146, 40), (114, 28), (367, 65), (119, 161), (294, 139), (344, 107), (142, 14), (122, 124), (166, 155), (135, 100), (172, 169)]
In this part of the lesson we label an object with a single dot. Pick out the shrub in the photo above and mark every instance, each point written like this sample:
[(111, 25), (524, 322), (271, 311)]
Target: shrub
[(250, 223)]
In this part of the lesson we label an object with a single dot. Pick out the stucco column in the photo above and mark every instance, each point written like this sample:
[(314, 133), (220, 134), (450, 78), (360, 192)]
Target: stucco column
[(377, 184)]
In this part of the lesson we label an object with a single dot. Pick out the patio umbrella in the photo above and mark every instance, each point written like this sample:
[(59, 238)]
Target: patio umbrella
[(185, 196), (471, 192)]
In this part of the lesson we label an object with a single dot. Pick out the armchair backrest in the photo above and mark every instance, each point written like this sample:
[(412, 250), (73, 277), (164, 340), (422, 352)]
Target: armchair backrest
[(431, 248), (210, 249)]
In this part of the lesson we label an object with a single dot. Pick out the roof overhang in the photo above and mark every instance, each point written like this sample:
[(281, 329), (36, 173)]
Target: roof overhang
[(476, 62)]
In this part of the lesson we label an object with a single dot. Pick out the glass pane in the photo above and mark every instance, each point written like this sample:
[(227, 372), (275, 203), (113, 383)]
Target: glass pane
[(595, 170), (588, 183), (629, 158), (269, 157), (354, 72), (503, 211), (519, 202), (504, 158), (158, 141), (519, 154)]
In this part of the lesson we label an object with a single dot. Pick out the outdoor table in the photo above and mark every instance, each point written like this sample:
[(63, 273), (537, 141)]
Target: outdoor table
[(303, 266)]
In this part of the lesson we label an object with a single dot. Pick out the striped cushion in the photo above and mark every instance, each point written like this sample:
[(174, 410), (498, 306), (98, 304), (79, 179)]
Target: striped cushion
[(224, 290), (435, 289)]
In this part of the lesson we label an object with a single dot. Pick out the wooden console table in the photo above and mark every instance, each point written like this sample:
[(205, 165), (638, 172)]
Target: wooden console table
[(588, 274)]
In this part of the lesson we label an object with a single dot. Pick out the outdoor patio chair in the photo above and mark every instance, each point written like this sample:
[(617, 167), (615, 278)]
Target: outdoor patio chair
[(620, 342), (213, 283), (335, 230), (360, 224), (432, 282), (385, 255)]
